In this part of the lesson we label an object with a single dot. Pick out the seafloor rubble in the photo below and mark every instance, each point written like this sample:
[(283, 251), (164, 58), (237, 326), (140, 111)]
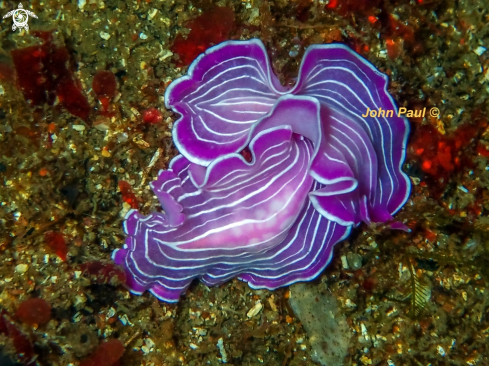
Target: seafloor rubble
[(83, 129)]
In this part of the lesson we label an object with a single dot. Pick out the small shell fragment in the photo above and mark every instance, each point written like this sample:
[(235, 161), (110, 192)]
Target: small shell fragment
[(135, 112), (21, 268), (441, 351), (480, 50), (104, 35), (152, 13), (164, 54), (155, 157), (255, 309), (78, 128), (222, 350)]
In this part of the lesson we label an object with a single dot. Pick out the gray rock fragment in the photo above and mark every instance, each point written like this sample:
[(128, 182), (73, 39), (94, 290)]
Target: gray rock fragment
[(326, 327), (354, 260)]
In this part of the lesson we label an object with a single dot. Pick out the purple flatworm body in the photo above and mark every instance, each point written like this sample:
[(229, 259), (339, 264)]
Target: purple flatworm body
[(318, 168)]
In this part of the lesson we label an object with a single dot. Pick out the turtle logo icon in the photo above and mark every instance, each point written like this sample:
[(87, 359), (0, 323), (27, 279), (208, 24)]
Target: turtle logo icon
[(20, 17)]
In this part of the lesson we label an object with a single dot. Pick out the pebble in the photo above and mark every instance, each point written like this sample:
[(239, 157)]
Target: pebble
[(222, 350), (152, 13), (21, 268), (441, 351), (324, 322), (354, 260), (105, 35), (103, 126), (122, 137), (79, 128), (254, 310), (293, 53), (480, 50)]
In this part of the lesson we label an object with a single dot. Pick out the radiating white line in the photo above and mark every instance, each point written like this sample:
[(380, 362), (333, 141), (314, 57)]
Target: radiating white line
[(232, 80), (240, 103), (229, 120), (260, 190), (200, 138), (241, 132), (221, 96), (252, 112), (207, 83)]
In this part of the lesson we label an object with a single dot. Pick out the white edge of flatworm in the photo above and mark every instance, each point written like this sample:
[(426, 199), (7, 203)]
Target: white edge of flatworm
[(386, 79), (189, 76)]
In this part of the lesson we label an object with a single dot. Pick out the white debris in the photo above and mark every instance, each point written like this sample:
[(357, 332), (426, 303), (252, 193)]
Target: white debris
[(78, 128), (255, 309), (344, 262), (104, 35), (80, 299), (193, 346), (148, 346), (364, 329), (220, 345), (152, 13), (164, 54), (125, 320), (149, 342), (350, 304), (255, 13), (122, 137), (77, 317), (21, 268), (111, 312), (463, 189), (125, 209), (143, 36), (155, 157), (272, 303), (81, 4), (441, 351), (480, 50), (102, 126)]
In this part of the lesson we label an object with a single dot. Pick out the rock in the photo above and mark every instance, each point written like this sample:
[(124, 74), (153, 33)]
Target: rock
[(323, 321), (354, 260)]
